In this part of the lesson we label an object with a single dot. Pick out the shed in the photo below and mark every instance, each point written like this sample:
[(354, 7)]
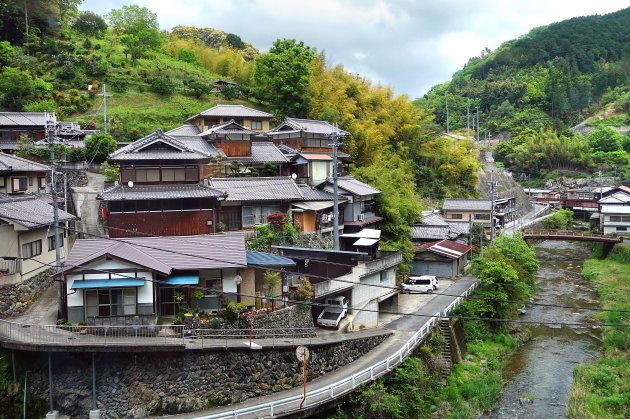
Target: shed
[(446, 259)]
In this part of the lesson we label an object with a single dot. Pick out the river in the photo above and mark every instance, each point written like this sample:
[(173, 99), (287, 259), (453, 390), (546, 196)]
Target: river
[(538, 378)]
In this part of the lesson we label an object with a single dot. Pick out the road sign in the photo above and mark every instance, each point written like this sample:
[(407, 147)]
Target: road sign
[(302, 353)]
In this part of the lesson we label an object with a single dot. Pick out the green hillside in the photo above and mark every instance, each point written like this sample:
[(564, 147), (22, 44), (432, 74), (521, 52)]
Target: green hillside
[(534, 88)]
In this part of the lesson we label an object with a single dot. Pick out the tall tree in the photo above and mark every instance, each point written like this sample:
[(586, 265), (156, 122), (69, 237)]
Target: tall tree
[(138, 29), (281, 77)]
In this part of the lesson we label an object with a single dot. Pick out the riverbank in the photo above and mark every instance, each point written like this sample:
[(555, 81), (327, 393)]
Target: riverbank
[(602, 389)]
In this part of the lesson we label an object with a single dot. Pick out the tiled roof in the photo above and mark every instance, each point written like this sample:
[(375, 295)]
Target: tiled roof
[(171, 148), (466, 204), (430, 232), (620, 197), (265, 152), (165, 253), (227, 128), (30, 211), (258, 189), (184, 130), (445, 248), (460, 228), (433, 219), (352, 185), (23, 118), (268, 259), (238, 111), (11, 163), (311, 126), (313, 194), (158, 192), (315, 156)]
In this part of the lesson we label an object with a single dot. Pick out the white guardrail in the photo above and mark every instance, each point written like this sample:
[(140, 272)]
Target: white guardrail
[(330, 392)]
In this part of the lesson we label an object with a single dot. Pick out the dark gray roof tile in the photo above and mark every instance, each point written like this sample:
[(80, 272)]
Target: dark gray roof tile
[(11, 163), (258, 189), (30, 211), (158, 192)]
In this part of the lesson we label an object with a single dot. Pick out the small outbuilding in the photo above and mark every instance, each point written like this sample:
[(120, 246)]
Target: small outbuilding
[(446, 259)]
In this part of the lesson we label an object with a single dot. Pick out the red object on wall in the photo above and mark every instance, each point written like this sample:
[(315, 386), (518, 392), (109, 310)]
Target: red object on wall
[(104, 213)]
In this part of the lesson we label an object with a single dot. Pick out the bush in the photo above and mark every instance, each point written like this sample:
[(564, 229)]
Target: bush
[(198, 89), (89, 23), (41, 106), (67, 72), (233, 310), (99, 146), (163, 86), (562, 219), (118, 84)]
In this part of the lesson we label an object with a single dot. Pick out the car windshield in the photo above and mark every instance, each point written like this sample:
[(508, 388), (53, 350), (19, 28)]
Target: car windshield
[(330, 315)]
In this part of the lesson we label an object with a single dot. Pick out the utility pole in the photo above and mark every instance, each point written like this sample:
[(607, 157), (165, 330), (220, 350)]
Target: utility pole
[(447, 119), (51, 127), (335, 143), (26, 22), (493, 185), (478, 126), (468, 118), (105, 95)]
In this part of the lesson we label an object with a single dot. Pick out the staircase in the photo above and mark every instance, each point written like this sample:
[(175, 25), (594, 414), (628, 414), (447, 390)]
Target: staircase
[(447, 352)]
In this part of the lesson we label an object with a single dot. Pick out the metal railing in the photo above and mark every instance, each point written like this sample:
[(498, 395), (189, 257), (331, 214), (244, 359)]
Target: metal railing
[(330, 392), (148, 335), (8, 267), (574, 233), (137, 335)]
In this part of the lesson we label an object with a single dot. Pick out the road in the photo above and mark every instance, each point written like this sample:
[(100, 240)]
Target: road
[(403, 329), (528, 219)]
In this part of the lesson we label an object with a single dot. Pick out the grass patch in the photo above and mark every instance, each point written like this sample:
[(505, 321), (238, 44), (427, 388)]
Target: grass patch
[(602, 389)]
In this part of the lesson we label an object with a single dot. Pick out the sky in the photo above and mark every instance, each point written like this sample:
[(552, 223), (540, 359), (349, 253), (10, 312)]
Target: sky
[(410, 45)]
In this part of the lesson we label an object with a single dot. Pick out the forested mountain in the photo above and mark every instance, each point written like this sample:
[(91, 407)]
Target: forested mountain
[(534, 88)]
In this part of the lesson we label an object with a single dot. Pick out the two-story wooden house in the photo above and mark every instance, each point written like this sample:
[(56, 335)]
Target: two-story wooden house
[(250, 118), (308, 145), (161, 189)]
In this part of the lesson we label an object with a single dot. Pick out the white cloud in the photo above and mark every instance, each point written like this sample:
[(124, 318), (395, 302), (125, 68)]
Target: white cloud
[(408, 44)]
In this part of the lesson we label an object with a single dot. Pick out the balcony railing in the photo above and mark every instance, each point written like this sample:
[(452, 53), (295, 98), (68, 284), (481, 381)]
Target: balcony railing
[(8, 267)]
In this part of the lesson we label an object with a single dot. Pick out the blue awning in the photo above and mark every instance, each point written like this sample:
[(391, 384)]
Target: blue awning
[(178, 280), (268, 259), (107, 283)]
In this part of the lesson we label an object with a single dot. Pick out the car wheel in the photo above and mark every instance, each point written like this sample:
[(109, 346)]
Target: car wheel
[(337, 327), (430, 291)]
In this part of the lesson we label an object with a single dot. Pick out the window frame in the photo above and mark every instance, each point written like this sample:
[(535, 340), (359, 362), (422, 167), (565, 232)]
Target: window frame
[(34, 249), (51, 242)]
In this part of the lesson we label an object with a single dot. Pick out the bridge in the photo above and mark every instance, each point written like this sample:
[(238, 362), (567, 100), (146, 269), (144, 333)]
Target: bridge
[(573, 235)]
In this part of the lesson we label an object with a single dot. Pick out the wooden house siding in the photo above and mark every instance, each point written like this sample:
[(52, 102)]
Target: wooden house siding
[(236, 148), (176, 223)]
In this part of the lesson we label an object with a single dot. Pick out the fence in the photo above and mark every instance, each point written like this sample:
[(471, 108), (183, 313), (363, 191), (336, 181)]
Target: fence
[(149, 335), (330, 392)]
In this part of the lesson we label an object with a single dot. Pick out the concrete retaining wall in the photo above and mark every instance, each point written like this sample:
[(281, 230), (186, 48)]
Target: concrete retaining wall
[(17, 298)]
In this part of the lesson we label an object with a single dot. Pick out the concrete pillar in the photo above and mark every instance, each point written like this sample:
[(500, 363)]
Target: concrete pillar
[(95, 414), (52, 414)]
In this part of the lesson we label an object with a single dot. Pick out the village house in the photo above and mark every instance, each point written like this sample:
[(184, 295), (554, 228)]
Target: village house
[(161, 190), (360, 209), (308, 146), (614, 213), (443, 258), (137, 280), (33, 125), (435, 227), (27, 240), (249, 118), (361, 272), (22, 176), (479, 211), (314, 214)]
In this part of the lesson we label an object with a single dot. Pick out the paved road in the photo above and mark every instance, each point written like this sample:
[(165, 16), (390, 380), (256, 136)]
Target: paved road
[(402, 330), (87, 205)]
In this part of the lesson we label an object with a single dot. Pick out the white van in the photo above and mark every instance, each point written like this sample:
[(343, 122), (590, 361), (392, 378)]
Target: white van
[(336, 309), (420, 284)]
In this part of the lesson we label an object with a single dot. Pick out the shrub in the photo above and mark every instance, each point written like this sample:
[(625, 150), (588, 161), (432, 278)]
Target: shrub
[(99, 146), (562, 219), (233, 310), (89, 23), (162, 86)]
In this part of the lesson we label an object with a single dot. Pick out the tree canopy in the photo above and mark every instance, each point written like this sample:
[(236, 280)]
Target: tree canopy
[(138, 29)]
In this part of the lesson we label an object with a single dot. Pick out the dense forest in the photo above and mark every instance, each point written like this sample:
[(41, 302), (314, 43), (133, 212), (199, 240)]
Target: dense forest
[(531, 90)]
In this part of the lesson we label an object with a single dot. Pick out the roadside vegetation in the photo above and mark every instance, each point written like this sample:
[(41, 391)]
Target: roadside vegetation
[(506, 272), (560, 220), (602, 389)]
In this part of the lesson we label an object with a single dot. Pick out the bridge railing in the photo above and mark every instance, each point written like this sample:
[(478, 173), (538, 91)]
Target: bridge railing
[(330, 392), (559, 232)]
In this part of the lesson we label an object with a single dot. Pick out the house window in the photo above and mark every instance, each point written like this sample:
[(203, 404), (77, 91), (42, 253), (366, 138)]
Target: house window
[(456, 216), (19, 184), (41, 181), (51, 242), (2, 182), (384, 276), (620, 218), (172, 299), (481, 216), (32, 249), (214, 283), (257, 215), (368, 206), (621, 229), (256, 125), (110, 302)]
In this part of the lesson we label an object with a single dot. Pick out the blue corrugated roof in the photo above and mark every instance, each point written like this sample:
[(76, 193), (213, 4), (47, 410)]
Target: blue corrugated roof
[(265, 258), (106, 283), (178, 280)]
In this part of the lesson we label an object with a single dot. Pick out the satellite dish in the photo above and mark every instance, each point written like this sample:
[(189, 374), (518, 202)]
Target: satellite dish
[(130, 184), (294, 176)]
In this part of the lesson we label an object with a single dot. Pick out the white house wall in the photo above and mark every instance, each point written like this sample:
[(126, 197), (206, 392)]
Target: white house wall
[(46, 260)]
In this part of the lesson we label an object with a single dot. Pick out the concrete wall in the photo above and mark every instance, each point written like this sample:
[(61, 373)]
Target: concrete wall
[(138, 385)]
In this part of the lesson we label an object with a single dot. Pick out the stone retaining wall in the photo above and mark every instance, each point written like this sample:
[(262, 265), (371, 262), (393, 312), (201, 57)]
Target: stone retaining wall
[(137, 385), (17, 298)]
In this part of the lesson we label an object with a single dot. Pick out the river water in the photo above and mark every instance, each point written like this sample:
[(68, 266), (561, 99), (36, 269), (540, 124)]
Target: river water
[(538, 378)]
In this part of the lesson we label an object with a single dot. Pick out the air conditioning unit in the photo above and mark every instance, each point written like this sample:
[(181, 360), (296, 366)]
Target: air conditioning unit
[(361, 217)]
